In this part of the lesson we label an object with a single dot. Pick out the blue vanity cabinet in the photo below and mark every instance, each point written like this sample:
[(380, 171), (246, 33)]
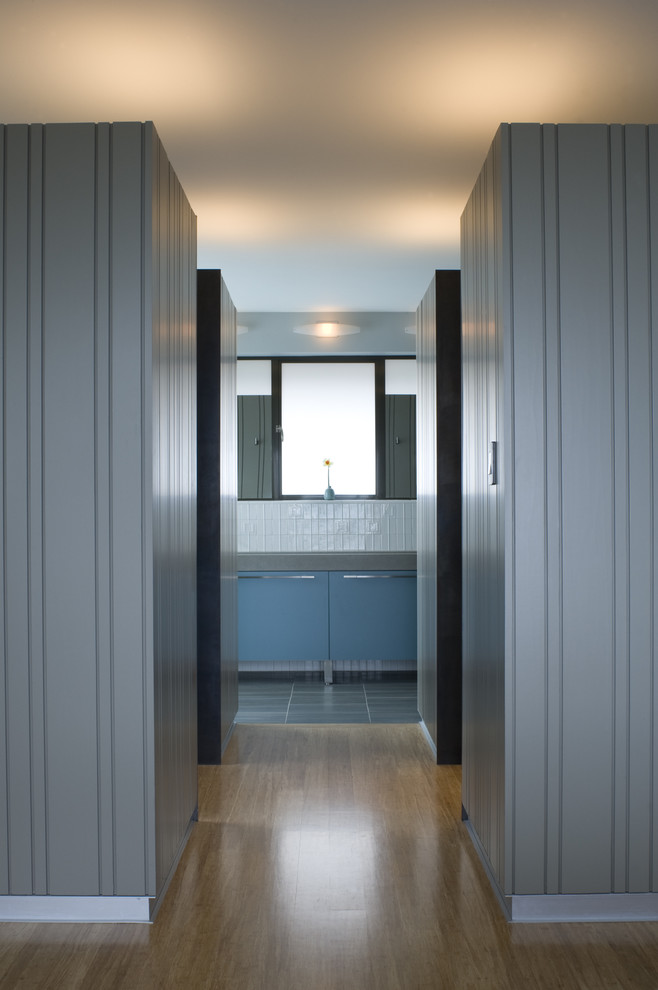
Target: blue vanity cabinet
[(283, 615), (372, 615)]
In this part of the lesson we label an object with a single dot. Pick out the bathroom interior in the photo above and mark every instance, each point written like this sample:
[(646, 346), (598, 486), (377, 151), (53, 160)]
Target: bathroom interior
[(326, 518)]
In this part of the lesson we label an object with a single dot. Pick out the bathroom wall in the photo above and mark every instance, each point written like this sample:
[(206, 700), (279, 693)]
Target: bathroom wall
[(333, 526)]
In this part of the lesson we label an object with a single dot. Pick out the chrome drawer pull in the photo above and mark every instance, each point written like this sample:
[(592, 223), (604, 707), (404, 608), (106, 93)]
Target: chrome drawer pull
[(276, 577), (367, 577)]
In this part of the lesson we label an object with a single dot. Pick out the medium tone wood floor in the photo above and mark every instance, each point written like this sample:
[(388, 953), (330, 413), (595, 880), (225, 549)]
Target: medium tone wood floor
[(329, 858)]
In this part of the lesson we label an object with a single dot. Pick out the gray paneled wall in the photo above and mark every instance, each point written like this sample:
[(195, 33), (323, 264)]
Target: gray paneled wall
[(483, 602), (560, 249), (98, 582), (172, 396)]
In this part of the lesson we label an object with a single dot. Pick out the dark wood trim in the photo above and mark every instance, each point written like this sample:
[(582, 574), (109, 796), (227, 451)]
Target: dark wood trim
[(380, 428), (217, 546), (208, 507), (276, 434), (448, 517)]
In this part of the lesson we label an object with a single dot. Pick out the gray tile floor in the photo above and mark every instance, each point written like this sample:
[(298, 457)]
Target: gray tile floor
[(297, 701)]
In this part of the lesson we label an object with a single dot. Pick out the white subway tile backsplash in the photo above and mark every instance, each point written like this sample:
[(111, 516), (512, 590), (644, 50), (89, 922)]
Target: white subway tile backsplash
[(315, 527)]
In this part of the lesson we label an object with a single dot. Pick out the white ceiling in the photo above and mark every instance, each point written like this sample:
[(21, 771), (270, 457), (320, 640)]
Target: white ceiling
[(328, 146)]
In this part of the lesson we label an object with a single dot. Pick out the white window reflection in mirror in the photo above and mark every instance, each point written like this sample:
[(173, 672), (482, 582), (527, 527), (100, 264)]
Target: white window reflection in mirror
[(254, 377), (328, 411), (400, 377)]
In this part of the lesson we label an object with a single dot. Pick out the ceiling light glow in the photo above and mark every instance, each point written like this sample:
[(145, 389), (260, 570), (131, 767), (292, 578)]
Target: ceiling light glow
[(327, 329)]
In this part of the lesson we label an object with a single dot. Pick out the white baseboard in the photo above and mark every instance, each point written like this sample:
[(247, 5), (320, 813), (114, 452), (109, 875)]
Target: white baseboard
[(426, 733), (537, 908), (548, 908), (228, 738), (156, 904), (90, 910), (84, 910)]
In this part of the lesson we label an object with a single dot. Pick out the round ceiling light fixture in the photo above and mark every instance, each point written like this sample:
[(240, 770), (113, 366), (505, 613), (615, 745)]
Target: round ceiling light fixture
[(327, 329)]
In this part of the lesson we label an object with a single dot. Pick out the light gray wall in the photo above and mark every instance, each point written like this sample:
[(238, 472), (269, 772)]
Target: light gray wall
[(560, 256), (84, 737)]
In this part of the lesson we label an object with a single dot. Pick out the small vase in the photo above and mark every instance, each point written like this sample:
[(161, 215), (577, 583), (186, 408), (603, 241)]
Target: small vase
[(329, 493)]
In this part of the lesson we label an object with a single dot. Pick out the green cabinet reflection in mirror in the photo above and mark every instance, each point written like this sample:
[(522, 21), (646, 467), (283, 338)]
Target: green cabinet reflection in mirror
[(400, 446), (254, 446)]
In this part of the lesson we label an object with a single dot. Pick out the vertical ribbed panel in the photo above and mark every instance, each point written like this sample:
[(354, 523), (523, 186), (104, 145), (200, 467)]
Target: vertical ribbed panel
[(526, 534), (483, 646), (426, 507), (35, 525), (228, 516), (4, 781), (15, 522), (173, 363), (635, 580), (653, 289), (579, 264), (78, 745), (587, 460)]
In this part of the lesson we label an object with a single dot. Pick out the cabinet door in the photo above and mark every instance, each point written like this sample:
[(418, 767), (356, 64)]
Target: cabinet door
[(283, 615), (254, 446), (372, 615), (400, 446)]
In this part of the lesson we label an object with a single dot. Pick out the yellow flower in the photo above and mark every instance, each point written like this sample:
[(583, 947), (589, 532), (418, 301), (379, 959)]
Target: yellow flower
[(327, 463)]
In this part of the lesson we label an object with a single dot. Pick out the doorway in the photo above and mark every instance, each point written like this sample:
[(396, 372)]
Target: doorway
[(439, 504)]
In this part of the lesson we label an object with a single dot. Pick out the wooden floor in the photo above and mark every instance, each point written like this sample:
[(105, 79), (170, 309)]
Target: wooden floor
[(329, 858)]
